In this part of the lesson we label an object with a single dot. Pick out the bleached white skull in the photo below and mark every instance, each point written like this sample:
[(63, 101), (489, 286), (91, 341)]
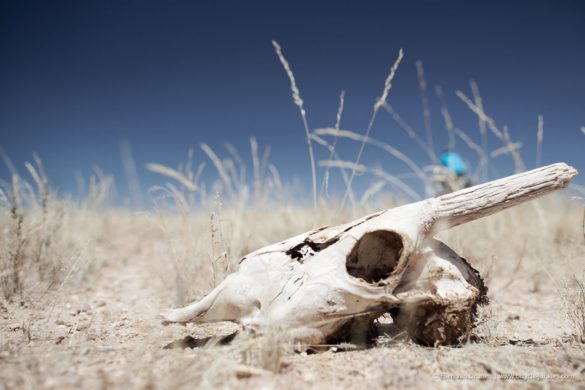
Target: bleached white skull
[(322, 283)]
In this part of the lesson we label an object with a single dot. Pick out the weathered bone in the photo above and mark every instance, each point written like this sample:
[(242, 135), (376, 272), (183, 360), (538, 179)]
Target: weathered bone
[(323, 282)]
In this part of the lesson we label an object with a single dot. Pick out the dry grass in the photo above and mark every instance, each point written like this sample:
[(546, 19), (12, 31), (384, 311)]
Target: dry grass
[(573, 297), (102, 328)]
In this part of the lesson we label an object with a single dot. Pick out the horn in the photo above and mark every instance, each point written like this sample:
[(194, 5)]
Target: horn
[(485, 199)]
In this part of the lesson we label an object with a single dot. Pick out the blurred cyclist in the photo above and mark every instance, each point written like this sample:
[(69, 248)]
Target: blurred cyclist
[(451, 174)]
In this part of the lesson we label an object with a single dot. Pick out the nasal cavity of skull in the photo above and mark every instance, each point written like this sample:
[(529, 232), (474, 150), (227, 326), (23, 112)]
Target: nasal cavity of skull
[(375, 256)]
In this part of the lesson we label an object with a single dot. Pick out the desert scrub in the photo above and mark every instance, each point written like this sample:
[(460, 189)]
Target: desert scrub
[(42, 236), (206, 231), (573, 298), (267, 350), (486, 326), (12, 245)]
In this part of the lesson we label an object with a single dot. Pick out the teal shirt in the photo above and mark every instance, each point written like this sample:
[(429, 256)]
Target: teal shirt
[(454, 162)]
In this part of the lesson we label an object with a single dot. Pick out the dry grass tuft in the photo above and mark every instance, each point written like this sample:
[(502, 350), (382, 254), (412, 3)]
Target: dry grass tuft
[(379, 104), (299, 102), (573, 297), (267, 351)]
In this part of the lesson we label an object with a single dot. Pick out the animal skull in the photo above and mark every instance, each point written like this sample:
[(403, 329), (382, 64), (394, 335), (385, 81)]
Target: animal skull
[(323, 282)]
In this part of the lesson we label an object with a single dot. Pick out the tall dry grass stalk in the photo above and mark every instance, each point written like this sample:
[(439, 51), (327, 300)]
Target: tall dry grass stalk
[(299, 102), (131, 173), (503, 135), (379, 104), (513, 148), (506, 149), (422, 83), (259, 165), (100, 189), (482, 125), (255, 162), (491, 124), (325, 184), (379, 172), (372, 191), (221, 170), (320, 141), (8, 162), (409, 131), (173, 174), (379, 144), (446, 117), (539, 137)]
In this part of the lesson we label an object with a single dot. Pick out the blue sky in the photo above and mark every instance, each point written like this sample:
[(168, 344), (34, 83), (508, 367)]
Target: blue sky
[(78, 77)]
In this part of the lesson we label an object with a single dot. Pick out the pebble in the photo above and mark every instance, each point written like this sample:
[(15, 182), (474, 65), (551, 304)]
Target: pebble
[(91, 337), (64, 323), (62, 331)]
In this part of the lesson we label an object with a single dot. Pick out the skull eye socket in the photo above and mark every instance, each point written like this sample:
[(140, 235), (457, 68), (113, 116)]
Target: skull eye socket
[(375, 256)]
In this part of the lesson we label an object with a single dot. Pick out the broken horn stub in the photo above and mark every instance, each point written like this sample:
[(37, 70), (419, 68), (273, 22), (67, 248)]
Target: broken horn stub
[(324, 282)]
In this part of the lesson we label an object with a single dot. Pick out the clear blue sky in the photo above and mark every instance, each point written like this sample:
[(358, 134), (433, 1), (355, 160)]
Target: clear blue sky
[(77, 77)]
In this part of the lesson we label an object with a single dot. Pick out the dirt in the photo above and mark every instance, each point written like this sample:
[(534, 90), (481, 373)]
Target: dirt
[(105, 335)]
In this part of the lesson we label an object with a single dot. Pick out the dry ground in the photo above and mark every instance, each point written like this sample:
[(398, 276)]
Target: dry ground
[(96, 328)]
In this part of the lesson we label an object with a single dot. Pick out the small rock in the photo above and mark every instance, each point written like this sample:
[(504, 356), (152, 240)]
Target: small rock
[(90, 337), (14, 327), (100, 303), (61, 331)]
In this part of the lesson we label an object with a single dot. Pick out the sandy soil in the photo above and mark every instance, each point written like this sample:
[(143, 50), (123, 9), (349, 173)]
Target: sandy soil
[(105, 335), (101, 331)]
